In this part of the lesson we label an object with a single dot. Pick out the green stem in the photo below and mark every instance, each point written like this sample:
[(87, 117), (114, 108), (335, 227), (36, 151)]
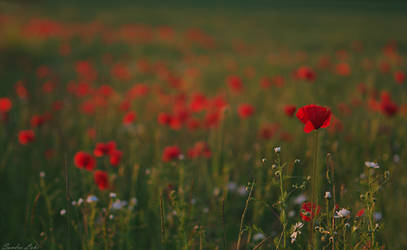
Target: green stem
[(314, 200)]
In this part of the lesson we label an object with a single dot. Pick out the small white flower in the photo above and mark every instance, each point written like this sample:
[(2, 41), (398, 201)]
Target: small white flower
[(396, 158), (80, 201), (297, 226), (294, 235), (62, 212), (328, 195), (73, 203), (342, 213), (118, 204), (297, 161), (258, 236), (277, 149), (42, 174), (242, 190), (371, 164), (111, 216), (91, 199), (112, 195)]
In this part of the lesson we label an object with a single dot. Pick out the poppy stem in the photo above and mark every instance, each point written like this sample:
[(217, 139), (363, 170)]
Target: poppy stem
[(314, 191)]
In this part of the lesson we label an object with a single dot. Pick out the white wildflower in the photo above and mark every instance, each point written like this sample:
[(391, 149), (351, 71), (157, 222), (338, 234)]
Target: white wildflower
[(371, 164), (277, 149), (232, 186), (328, 195), (91, 199), (42, 174), (62, 212), (300, 199), (258, 237), (112, 195), (342, 213)]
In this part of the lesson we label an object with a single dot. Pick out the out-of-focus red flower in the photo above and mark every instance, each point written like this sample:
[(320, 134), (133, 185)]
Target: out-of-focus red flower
[(360, 212), (387, 106), (120, 72), (115, 157), (267, 131), (85, 71), (137, 90), (278, 81), (39, 120), (314, 117), (84, 160), (43, 71), (104, 148), (235, 83), (129, 118), (306, 73), (5, 105), (290, 110), (336, 125), (26, 136), (171, 153), (199, 149), (342, 69), (265, 82), (21, 90), (48, 87), (399, 77), (308, 211), (245, 110), (164, 119), (193, 124), (212, 119), (198, 102), (91, 133), (101, 179)]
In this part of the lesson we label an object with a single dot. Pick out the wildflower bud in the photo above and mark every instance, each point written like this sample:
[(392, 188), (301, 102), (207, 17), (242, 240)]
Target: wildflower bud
[(42, 174), (63, 212), (277, 149), (273, 166), (328, 195), (386, 175), (263, 160)]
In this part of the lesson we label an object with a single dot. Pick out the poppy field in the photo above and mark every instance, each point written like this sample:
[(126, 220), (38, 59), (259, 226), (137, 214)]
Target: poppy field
[(194, 128)]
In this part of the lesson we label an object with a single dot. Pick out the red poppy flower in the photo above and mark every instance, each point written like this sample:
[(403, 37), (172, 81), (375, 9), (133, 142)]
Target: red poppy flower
[(115, 157), (290, 110), (104, 148), (399, 77), (101, 179), (342, 69), (306, 73), (199, 149), (245, 110), (171, 153), (360, 212), (235, 83), (308, 211), (314, 117), (164, 118), (26, 136), (129, 118), (5, 105), (84, 160)]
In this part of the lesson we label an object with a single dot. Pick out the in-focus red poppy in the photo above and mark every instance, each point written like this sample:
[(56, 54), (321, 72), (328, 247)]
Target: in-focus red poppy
[(104, 148), (115, 157), (308, 211), (84, 160), (5, 105), (26, 136), (314, 117), (290, 110), (129, 118), (245, 110), (101, 179), (171, 153), (399, 77)]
